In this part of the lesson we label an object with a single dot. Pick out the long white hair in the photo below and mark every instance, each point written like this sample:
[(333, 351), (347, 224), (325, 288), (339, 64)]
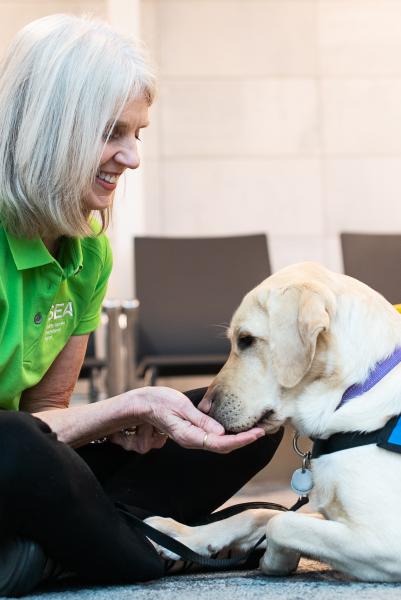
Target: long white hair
[(63, 82)]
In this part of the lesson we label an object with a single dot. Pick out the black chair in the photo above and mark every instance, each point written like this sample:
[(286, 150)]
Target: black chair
[(92, 368), (188, 289), (375, 259)]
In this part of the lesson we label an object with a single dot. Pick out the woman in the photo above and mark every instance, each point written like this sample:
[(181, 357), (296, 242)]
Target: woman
[(74, 96)]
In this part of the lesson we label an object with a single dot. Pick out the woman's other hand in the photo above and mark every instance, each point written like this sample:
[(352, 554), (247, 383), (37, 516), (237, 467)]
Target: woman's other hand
[(140, 438)]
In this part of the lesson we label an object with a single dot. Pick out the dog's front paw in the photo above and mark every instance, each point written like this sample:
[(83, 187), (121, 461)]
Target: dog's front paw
[(170, 527), (279, 560), (193, 537)]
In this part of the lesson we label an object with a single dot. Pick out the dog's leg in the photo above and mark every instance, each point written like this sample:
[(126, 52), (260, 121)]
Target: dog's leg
[(347, 549), (239, 532)]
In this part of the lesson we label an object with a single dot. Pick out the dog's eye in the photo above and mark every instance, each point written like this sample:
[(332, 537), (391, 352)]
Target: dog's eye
[(244, 341)]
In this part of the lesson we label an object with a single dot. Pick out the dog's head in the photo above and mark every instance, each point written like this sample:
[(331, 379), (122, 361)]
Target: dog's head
[(291, 331)]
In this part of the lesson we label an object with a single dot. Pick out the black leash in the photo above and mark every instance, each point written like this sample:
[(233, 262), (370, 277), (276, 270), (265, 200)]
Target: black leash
[(186, 553)]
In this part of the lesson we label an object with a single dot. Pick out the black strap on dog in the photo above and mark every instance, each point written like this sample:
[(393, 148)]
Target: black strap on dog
[(386, 437), (186, 553)]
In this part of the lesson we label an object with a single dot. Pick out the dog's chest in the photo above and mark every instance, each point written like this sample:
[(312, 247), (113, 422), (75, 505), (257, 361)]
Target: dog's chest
[(333, 508), (326, 497)]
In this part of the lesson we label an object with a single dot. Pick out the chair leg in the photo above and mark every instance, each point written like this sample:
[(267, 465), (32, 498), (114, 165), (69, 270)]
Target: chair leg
[(151, 375), (93, 389)]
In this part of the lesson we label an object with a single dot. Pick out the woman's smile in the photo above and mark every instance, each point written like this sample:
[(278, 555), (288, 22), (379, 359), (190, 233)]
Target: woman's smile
[(107, 181)]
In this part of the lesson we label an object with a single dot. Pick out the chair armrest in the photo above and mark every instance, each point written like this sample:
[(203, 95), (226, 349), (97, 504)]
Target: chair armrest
[(115, 368)]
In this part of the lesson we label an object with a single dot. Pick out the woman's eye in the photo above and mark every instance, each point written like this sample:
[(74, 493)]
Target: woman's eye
[(111, 135), (245, 341)]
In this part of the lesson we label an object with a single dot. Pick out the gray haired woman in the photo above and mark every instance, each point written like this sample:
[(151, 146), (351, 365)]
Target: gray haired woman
[(74, 96)]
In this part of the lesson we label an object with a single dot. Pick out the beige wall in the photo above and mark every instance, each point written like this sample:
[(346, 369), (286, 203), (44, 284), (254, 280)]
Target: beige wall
[(15, 14), (281, 116)]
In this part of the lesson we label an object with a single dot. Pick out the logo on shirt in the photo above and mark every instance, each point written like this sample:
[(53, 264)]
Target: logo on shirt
[(60, 311), (58, 316)]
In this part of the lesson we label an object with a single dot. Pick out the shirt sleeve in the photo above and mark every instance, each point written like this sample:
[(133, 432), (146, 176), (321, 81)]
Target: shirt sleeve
[(91, 319)]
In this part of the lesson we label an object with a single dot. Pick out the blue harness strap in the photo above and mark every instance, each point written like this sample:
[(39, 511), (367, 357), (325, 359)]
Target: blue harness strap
[(392, 440)]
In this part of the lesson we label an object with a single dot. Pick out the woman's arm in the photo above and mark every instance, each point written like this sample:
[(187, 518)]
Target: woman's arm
[(54, 390), (163, 408), (50, 398)]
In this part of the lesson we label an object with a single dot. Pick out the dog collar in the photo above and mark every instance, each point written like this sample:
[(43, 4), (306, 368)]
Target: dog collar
[(379, 371), (387, 437)]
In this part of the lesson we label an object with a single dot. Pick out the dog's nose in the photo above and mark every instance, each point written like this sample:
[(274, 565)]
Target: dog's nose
[(206, 403)]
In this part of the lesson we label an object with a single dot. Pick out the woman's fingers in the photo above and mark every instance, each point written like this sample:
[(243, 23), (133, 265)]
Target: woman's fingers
[(144, 438), (168, 404), (203, 421), (141, 439), (228, 443), (147, 437), (159, 438), (190, 436)]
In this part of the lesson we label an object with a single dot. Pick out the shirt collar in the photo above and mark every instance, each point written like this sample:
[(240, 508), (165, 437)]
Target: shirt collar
[(31, 253), (70, 256)]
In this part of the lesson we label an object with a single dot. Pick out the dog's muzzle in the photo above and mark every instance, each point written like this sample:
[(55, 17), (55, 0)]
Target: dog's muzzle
[(231, 411)]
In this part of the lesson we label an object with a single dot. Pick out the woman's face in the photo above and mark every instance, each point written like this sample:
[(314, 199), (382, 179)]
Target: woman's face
[(120, 153)]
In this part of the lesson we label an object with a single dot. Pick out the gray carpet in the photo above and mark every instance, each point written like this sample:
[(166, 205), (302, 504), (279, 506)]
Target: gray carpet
[(314, 581)]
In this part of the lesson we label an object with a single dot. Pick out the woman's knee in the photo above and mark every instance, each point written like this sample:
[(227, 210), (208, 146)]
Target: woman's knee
[(273, 439), (253, 458), (21, 438), (265, 448)]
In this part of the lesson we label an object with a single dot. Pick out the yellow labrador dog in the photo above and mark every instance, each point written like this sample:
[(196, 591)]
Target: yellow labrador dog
[(299, 341)]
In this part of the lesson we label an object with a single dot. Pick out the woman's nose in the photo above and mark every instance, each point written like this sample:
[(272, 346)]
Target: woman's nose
[(128, 156)]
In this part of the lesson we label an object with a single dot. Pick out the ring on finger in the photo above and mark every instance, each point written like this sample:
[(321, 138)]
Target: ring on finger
[(163, 433), (159, 432), (129, 431), (205, 440)]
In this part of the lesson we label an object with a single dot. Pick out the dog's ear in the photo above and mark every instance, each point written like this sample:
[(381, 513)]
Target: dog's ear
[(297, 315)]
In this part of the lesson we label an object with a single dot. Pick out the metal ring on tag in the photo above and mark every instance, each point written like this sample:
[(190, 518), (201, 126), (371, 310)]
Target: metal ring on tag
[(296, 447), (302, 479)]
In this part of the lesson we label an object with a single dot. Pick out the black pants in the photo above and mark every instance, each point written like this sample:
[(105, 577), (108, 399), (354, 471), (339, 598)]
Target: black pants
[(65, 499)]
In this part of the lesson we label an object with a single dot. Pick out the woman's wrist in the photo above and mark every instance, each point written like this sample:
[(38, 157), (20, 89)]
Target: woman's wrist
[(137, 404), (125, 410), (81, 424)]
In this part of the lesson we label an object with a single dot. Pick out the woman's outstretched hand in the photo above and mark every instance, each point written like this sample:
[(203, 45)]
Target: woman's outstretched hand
[(162, 412)]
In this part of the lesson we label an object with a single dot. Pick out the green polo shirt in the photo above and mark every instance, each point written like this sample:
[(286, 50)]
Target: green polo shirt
[(44, 301)]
